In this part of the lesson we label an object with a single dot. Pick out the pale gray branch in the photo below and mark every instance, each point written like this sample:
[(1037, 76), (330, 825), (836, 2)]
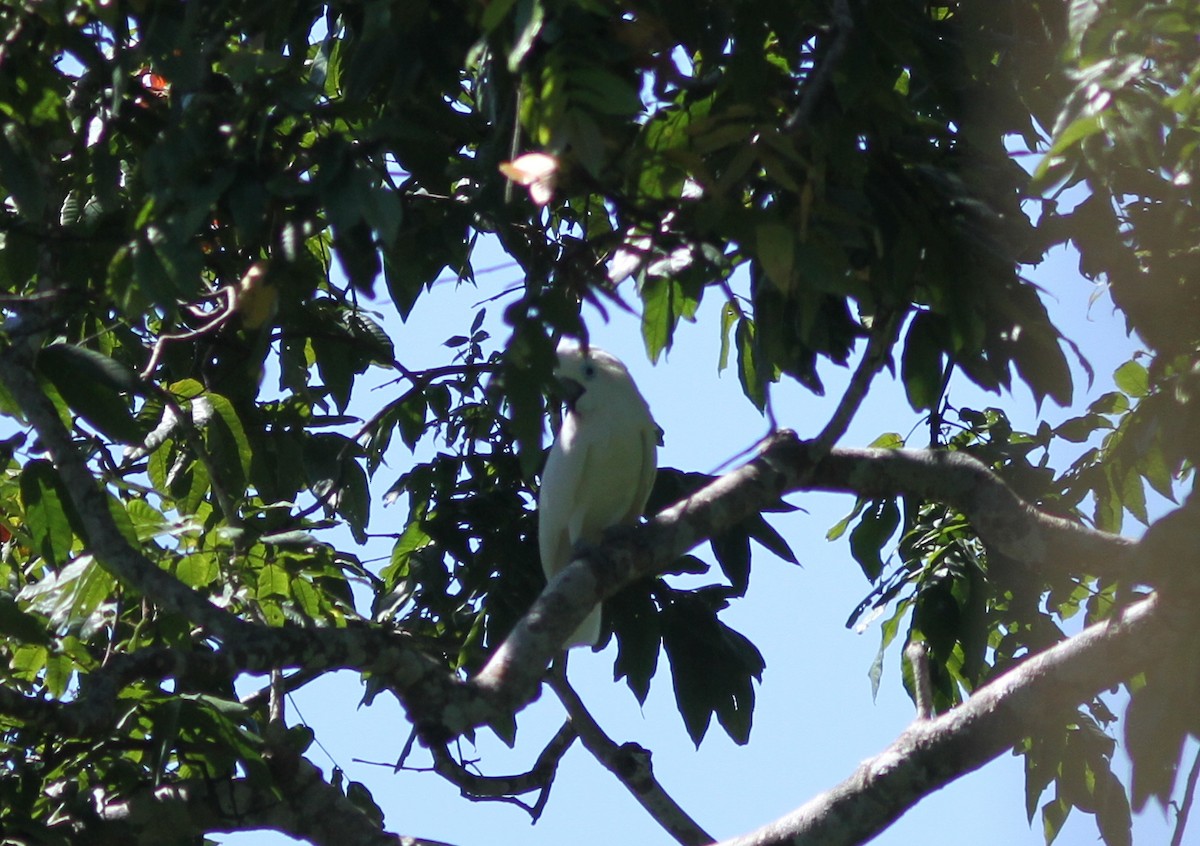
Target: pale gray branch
[(786, 464), (931, 753)]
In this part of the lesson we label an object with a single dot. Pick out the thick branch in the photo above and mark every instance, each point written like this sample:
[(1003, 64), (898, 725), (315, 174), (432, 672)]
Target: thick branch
[(441, 705), (305, 806), (786, 464), (932, 753), (630, 763), (1048, 544)]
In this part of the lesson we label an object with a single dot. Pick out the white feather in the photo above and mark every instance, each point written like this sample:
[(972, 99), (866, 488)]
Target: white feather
[(601, 467)]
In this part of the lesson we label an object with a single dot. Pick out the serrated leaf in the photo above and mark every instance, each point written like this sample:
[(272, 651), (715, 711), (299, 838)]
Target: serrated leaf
[(635, 623)]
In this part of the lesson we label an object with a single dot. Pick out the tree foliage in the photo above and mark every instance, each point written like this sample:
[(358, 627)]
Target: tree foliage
[(207, 207)]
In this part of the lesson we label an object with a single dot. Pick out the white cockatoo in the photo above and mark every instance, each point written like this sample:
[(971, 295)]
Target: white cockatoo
[(602, 464)]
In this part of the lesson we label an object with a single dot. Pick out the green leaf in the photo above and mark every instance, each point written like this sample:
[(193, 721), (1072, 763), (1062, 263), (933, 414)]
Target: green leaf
[(711, 665), (1054, 814), (763, 532), (888, 440), (1112, 402), (19, 173), (658, 314), (353, 501), (839, 528), (729, 315), (1079, 429), (20, 626), (228, 442), (776, 250), (273, 580), (120, 517), (1133, 497), (529, 19), (92, 383), (308, 598), (877, 525), (753, 383), (45, 501), (635, 623), (72, 597), (732, 551), (1133, 378), (921, 365), (198, 570), (494, 13)]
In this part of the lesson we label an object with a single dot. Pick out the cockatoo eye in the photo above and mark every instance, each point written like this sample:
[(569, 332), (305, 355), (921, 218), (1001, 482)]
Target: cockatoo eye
[(589, 370)]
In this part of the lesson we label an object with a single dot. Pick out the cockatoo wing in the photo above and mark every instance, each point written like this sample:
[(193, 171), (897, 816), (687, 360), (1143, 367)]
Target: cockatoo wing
[(557, 498), (646, 474)]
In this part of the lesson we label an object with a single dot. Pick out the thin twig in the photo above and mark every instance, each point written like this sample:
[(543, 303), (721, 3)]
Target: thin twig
[(219, 318), (1189, 794), (481, 788), (630, 763), (879, 345), (818, 79)]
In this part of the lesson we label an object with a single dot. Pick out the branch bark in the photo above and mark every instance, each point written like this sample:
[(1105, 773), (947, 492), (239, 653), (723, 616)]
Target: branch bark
[(306, 806), (630, 763), (931, 753), (785, 465), (925, 757)]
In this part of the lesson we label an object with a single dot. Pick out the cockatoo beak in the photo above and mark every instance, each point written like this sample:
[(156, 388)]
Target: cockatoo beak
[(569, 390)]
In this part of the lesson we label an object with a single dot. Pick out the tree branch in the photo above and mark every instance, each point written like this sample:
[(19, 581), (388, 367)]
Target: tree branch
[(785, 464), (481, 787), (303, 806), (931, 753), (630, 763), (879, 347)]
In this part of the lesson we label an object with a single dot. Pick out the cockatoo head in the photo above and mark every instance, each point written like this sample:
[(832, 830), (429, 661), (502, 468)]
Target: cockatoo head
[(592, 379)]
